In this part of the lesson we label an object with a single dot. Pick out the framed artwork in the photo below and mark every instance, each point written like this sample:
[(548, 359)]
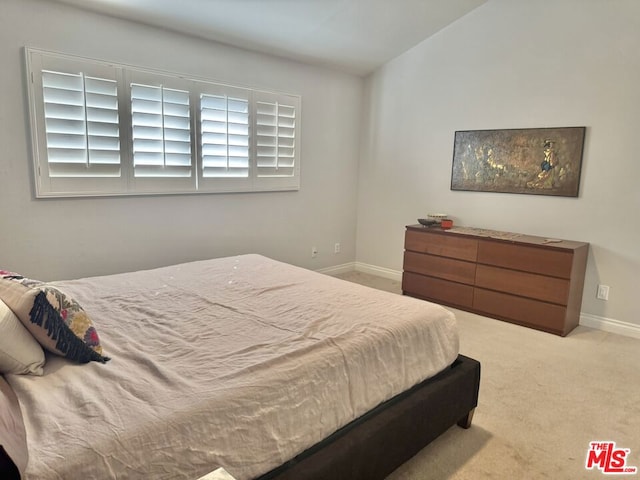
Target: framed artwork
[(539, 161)]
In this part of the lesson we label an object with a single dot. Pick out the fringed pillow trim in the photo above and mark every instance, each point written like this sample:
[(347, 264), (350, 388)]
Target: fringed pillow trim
[(46, 316)]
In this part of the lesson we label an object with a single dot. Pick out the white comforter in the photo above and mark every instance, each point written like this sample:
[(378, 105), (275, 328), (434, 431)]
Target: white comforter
[(241, 362)]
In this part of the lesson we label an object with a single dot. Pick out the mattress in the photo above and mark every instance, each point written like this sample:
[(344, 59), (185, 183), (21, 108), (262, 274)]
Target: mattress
[(240, 362)]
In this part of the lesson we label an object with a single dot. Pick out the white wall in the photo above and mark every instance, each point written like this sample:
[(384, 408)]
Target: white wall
[(514, 64), (60, 239), (508, 64)]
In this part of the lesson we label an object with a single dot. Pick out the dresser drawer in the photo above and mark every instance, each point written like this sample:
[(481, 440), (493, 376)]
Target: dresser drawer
[(445, 245), (545, 316), (437, 290), (529, 281), (547, 261), (548, 289), (441, 267)]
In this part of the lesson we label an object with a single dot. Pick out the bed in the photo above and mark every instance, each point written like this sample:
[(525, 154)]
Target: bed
[(266, 369)]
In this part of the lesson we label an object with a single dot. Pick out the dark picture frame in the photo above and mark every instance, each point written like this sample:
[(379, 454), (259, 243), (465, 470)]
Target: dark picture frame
[(538, 161)]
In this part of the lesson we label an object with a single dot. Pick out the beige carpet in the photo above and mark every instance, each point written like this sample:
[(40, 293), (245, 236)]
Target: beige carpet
[(543, 398)]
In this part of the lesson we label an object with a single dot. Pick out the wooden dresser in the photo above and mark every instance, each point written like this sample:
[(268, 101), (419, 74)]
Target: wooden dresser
[(522, 279)]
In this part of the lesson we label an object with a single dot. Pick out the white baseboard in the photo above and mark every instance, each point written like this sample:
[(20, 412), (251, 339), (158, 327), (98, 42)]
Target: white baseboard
[(338, 269), (364, 268), (379, 271), (610, 325)]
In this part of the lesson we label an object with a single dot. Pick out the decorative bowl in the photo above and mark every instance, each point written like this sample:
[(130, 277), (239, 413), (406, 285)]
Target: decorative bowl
[(426, 222)]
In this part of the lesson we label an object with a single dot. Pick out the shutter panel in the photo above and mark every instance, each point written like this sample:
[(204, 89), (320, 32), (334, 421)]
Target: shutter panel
[(177, 130), (224, 124), (81, 124), (161, 131), (275, 138), (102, 121)]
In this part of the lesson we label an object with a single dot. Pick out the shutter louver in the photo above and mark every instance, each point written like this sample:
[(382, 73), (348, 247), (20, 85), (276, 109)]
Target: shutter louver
[(161, 131), (275, 139), (82, 125), (224, 136)]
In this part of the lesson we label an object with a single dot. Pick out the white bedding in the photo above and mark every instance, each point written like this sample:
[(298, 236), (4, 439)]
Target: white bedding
[(240, 362)]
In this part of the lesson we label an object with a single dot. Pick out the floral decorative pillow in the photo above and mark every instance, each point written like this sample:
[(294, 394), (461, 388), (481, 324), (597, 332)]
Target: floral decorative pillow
[(55, 320)]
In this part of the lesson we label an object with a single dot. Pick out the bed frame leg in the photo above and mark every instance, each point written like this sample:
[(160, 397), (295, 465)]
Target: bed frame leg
[(465, 422)]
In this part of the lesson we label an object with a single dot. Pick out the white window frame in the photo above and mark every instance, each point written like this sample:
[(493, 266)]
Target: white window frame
[(127, 183)]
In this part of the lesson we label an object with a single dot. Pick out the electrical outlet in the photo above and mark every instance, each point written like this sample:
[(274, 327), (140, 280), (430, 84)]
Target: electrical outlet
[(314, 252), (603, 292), (336, 248)]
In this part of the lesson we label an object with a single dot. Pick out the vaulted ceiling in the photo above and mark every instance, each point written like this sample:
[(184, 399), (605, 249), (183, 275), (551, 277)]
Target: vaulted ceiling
[(356, 36)]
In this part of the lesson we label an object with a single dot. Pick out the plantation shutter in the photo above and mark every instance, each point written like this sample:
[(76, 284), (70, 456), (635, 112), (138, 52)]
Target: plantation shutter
[(224, 123), (81, 123), (276, 138), (161, 131), (99, 128), (76, 125)]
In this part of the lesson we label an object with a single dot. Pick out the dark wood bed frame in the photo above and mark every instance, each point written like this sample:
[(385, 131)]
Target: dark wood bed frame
[(377, 443), (374, 445), (7, 469)]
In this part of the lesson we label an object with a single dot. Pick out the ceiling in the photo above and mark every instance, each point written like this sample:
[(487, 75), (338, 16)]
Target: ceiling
[(356, 36)]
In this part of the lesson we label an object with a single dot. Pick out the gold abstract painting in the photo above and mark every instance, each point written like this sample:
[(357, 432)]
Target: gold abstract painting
[(539, 161)]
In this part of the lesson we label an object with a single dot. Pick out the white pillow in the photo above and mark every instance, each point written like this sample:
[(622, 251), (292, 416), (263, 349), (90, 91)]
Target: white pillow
[(20, 353)]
